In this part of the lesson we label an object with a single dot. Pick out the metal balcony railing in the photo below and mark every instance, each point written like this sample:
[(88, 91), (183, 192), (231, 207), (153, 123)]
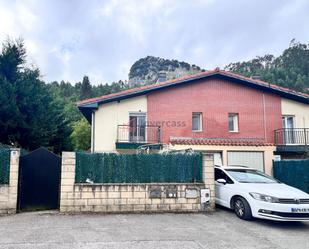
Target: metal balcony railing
[(138, 134), (292, 136)]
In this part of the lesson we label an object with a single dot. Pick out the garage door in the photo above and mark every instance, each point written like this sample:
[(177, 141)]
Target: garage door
[(251, 159)]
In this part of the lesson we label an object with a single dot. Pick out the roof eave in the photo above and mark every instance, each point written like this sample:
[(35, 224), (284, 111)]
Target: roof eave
[(146, 91), (255, 85), (87, 109), (270, 89)]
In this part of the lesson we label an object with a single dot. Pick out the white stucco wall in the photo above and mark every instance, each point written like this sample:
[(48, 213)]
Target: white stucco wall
[(297, 109), (109, 116)]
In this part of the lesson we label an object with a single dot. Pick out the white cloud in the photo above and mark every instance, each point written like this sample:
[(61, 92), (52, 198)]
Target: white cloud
[(7, 23), (102, 39), (27, 20), (108, 8)]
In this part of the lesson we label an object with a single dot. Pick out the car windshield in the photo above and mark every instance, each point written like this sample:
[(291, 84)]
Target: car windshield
[(250, 176)]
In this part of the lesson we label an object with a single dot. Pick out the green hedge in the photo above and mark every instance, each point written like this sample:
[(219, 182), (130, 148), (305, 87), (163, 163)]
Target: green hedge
[(4, 165), (138, 168), (293, 172)]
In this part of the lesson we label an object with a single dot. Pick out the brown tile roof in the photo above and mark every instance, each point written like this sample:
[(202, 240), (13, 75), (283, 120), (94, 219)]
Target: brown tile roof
[(219, 142), (137, 89), (189, 77)]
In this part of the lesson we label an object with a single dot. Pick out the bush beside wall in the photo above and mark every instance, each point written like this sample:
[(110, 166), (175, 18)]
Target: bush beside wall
[(138, 168), (4, 166)]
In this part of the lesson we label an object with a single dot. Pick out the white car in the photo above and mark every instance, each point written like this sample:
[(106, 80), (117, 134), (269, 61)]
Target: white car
[(251, 193)]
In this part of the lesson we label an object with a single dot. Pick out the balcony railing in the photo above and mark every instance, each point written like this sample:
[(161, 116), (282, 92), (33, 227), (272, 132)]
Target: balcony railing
[(292, 136), (138, 134)]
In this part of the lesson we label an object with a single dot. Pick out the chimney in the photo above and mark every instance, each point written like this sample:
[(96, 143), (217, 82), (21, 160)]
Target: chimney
[(255, 77), (161, 76)]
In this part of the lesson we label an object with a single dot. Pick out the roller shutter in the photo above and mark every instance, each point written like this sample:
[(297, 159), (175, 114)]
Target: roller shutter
[(252, 159)]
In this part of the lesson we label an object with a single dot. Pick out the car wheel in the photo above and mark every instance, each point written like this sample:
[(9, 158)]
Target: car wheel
[(242, 208)]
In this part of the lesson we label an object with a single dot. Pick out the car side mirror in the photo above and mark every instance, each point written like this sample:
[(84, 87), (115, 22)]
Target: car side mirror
[(221, 181)]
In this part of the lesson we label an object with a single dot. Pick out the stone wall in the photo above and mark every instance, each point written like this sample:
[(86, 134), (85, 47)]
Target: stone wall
[(154, 197), (8, 193), (209, 178)]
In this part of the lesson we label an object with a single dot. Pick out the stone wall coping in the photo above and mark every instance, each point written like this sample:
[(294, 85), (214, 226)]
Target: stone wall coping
[(138, 184), (14, 149)]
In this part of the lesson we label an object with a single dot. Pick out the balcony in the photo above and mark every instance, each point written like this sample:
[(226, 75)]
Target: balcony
[(132, 136), (292, 140)]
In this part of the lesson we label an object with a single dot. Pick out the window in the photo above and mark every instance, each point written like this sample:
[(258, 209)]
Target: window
[(137, 131), (250, 176), (288, 122), (219, 174), (196, 121), (233, 122)]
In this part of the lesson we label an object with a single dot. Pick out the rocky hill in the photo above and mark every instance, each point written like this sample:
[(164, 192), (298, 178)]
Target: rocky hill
[(152, 69)]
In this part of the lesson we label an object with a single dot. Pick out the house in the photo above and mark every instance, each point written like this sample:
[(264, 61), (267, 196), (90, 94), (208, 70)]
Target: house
[(241, 120)]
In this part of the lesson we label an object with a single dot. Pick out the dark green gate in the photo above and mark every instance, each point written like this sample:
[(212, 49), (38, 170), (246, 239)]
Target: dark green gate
[(39, 181), (293, 172)]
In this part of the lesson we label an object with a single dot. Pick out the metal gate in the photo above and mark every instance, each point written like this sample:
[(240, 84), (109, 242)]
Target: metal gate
[(293, 172), (39, 181)]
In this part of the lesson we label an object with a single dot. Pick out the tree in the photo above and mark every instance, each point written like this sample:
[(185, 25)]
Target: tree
[(12, 59), (9, 113), (86, 90), (81, 135), (29, 116), (290, 69)]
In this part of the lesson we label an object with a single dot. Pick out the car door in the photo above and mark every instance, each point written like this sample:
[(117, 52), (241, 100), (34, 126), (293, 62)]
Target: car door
[(223, 191)]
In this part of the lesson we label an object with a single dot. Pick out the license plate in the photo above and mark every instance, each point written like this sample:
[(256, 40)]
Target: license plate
[(300, 210)]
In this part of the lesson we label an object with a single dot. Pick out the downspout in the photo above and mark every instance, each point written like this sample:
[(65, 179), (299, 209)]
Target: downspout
[(264, 118), (92, 131)]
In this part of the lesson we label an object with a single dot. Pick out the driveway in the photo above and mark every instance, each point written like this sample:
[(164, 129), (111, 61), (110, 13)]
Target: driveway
[(219, 230)]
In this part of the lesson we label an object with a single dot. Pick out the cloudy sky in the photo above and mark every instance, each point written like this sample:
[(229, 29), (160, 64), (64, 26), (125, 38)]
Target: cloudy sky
[(67, 39)]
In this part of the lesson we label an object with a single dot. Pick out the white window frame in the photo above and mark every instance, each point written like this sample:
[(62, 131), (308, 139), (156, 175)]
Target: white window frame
[(285, 121), (288, 135), (200, 115), (139, 114), (235, 122)]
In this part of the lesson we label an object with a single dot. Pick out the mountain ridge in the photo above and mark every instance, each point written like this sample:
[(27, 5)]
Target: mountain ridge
[(151, 69)]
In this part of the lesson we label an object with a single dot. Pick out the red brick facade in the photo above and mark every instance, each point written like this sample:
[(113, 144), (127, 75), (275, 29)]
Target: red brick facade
[(259, 113)]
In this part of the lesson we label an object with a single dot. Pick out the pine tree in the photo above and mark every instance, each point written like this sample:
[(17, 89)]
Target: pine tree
[(86, 90)]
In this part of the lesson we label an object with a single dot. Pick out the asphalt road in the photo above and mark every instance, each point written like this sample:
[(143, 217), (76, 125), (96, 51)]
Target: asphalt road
[(190, 231)]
